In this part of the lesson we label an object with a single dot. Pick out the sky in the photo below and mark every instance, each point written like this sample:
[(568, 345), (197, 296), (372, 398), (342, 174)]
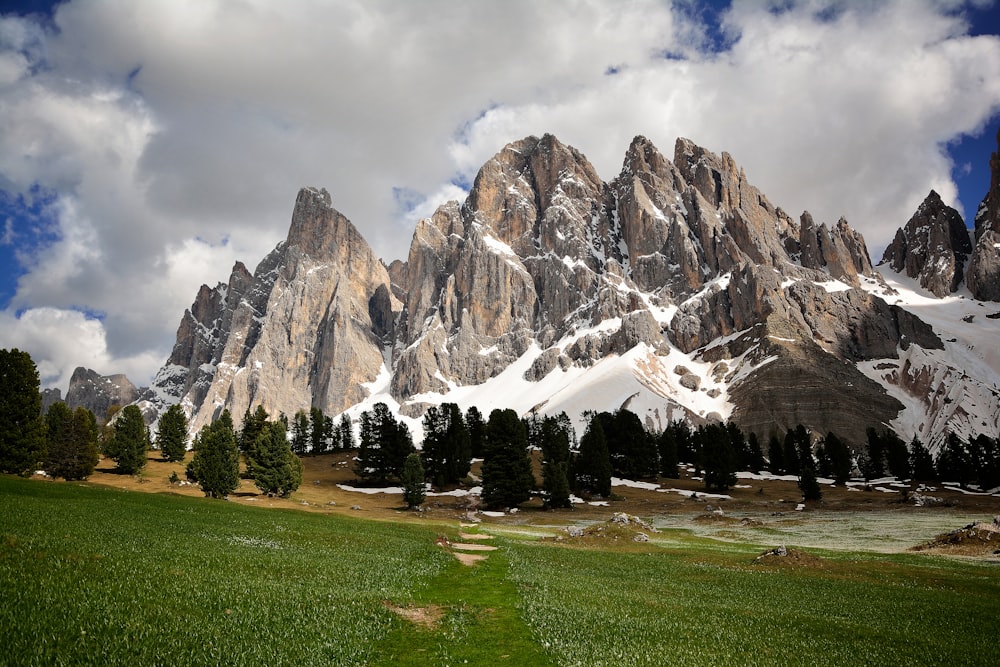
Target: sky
[(147, 146)]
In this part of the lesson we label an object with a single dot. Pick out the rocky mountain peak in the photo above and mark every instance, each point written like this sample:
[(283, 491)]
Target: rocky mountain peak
[(983, 276), (97, 393), (933, 247)]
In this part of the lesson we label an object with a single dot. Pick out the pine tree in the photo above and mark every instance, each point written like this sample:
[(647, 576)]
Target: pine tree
[(507, 475), (633, 452), (300, 433), (953, 462), (718, 457), (756, 461), (130, 441), (666, 445), (22, 428), (775, 456), (809, 485), (874, 460), (216, 463), (840, 458), (791, 453), (593, 463), (385, 444), (555, 437), (346, 432), (477, 431), (446, 448), (984, 453), (253, 423), (171, 436), (921, 461), (277, 471), (897, 458), (71, 451), (412, 479), (318, 434)]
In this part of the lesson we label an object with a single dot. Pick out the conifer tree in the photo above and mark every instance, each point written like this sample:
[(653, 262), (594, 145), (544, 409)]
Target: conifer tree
[(593, 463), (447, 450), (412, 479), (277, 471), (71, 451), (300, 433), (718, 457), (921, 461), (756, 461), (216, 462), (346, 432), (897, 458), (507, 475), (253, 423), (775, 455), (555, 437), (22, 427), (477, 431), (171, 435), (130, 441), (839, 456), (385, 444), (666, 445)]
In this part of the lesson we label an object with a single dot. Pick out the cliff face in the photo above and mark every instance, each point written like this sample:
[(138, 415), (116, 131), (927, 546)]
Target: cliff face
[(676, 289), (983, 277)]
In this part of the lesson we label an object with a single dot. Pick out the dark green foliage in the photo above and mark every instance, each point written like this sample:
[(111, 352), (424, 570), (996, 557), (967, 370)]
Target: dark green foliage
[(809, 485), (921, 461), (755, 459), (216, 463), (71, 448), (412, 479), (507, 476), (345, 432), (792, 463), (300, 433), (277, 471), (897, 458), (740, 446), (171, 436), (666, 445), (775, 456), (253, 423), (632, 450), (22, 429), (984, 454), (873, 462), (385, 444), (554, 437), (447, 451), (477, 431), (839, 456), (803, 448), (718, 457), (592, 466), (130, 441)]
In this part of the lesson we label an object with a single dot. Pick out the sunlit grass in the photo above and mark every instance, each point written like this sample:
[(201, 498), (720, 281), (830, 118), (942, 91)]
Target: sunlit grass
[(99, 576)]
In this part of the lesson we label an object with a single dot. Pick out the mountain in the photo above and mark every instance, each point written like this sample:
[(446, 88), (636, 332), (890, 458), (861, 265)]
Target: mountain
[(677, 290), (93, 391)]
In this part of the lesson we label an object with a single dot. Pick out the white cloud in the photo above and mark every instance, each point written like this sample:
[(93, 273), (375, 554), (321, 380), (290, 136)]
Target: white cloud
[(175, 134)]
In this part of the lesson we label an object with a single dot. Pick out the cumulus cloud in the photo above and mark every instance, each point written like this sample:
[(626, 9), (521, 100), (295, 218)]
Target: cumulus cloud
[(172, 136)]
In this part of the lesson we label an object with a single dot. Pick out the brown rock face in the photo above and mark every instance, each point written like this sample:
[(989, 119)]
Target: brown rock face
[(983, 277), (933, 247)]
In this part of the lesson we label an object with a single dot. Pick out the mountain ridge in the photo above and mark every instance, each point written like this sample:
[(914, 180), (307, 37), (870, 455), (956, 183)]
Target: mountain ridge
[(584, 294)]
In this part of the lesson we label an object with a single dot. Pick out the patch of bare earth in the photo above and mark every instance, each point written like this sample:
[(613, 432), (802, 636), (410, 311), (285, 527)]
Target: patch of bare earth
[(784, 557), (425, 617), (975, 539)]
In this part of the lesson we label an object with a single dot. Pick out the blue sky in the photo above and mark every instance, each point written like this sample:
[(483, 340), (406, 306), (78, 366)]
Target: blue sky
[(146, 146)]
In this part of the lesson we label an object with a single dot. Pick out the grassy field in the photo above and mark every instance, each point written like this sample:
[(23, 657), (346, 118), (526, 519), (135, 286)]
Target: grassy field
[(92, 575)]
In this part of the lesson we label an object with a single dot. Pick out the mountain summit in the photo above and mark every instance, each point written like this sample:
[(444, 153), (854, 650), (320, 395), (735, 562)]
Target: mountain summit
[(677, 290)]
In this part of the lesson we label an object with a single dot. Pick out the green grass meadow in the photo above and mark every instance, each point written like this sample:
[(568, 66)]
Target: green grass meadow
[(92, 575)]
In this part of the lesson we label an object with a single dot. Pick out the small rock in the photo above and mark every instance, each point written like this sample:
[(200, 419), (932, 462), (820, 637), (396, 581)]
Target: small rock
[(355, 507), (641, 537)]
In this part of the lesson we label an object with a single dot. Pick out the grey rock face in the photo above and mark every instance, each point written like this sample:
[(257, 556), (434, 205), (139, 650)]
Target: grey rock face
[(983, 276), (546, 265), (95, 392), (933, 247)]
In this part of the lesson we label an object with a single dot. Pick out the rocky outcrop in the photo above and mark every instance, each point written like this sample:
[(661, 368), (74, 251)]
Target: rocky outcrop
[(983, 277), (95, 392), (573, 285), (933, 247), (306, 329)]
